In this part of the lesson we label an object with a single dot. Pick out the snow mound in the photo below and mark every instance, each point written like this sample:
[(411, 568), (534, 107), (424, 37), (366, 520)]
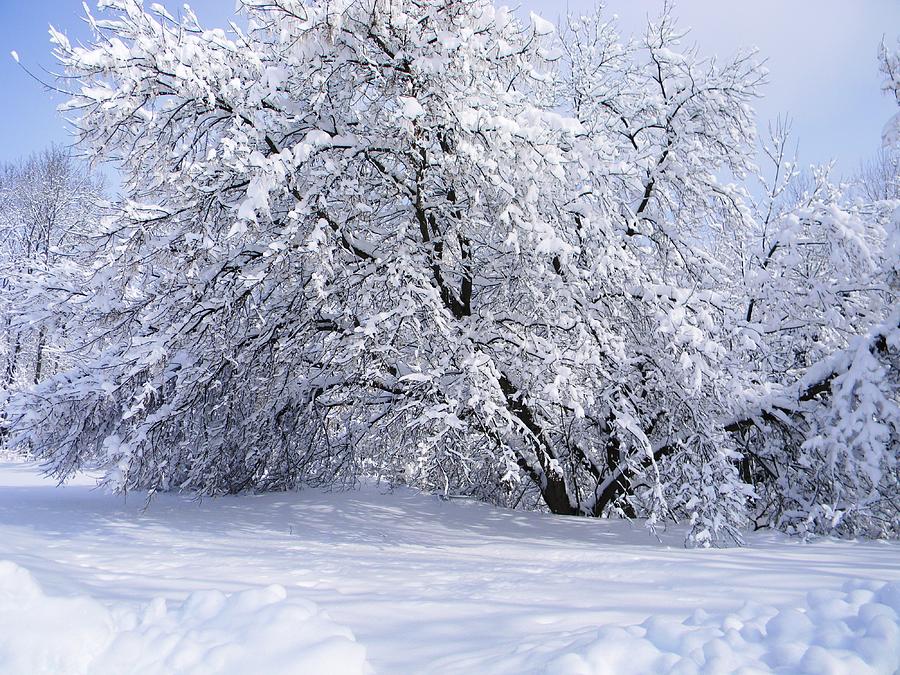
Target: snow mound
[(855, 631), (260, 630)]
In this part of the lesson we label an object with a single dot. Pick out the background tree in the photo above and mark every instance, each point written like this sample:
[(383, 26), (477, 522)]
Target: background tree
[(889, 59), (48, 203), (878, 179)]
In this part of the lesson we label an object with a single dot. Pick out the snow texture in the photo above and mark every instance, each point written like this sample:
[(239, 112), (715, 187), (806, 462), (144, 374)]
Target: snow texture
[(541, 25), (258, 630), (853, 631), (94, 583)]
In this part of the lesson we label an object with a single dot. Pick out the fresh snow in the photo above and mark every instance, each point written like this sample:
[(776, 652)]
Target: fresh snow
[(410, 108), (258, 630), (399, 582), (541, 25)]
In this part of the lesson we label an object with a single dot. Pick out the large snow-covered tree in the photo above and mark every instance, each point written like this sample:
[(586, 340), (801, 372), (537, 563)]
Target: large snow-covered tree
[(427, 241)]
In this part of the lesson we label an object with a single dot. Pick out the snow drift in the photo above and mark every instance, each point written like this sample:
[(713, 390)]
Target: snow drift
[(853, 631), (259, 630)]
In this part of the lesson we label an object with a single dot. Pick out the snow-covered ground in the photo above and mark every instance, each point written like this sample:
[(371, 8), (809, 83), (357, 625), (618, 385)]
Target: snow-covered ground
[(316, 582)]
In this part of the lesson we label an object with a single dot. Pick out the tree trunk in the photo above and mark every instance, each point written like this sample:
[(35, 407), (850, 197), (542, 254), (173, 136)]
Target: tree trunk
[(552, 485), (39, 356), (12, 361)]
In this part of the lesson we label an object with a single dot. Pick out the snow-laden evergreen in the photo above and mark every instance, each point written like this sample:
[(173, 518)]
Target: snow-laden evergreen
[(423, 240)]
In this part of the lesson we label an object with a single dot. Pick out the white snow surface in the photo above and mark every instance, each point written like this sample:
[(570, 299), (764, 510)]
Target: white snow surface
[(258, 630), (398, 582)]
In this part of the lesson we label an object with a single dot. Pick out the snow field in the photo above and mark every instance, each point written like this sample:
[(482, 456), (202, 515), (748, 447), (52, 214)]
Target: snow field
[(400, 582), (853, 632)]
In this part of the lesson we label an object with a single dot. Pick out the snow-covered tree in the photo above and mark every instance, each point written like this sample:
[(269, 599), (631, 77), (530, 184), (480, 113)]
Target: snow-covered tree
[(423, 240), (824, 347), (889, 59), (47, 203), (820, 442), (878, 179)]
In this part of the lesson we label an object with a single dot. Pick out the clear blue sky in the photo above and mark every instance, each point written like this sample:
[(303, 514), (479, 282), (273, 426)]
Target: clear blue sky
[(821, 56)]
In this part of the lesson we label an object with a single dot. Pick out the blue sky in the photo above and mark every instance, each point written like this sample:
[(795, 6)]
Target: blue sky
[(821, 56)]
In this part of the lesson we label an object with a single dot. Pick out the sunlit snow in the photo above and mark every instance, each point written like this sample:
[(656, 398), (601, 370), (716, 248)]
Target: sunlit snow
[(402, 582)]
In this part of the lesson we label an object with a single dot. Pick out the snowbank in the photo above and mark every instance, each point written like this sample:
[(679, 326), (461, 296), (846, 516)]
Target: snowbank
[(854, 632), (261, 630)]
